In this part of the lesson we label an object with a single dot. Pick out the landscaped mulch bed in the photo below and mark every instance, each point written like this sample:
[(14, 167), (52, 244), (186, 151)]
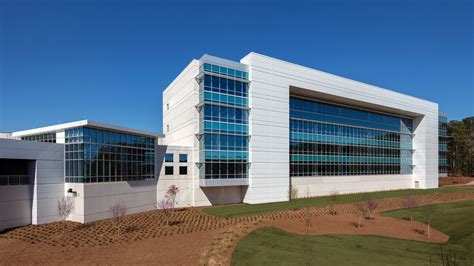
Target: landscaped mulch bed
[(152, 224), (148, 230)]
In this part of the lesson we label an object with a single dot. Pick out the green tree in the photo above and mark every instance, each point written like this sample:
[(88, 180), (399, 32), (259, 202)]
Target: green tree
[(461, 147)]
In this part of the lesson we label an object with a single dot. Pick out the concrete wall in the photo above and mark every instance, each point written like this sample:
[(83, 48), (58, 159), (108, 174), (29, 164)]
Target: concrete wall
[(311, 186), (34, 203), (271, 82)]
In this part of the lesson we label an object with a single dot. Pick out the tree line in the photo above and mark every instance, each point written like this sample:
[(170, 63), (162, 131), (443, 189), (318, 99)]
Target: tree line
[(461, 147)]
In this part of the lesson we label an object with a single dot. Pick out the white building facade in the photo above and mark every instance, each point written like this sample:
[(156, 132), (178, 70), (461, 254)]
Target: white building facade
[(301, 127), (248, 132)]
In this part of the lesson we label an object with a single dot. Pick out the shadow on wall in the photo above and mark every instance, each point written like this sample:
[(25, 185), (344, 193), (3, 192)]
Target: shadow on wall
[(225, 195), (160, 153)]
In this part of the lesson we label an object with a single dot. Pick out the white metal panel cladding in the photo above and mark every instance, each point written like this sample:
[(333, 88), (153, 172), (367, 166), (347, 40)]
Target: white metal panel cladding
[(271, 80)]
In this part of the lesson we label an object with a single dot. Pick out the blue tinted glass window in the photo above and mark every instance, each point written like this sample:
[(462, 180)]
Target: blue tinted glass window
[(169, 158), (183, 158), (330, 141)]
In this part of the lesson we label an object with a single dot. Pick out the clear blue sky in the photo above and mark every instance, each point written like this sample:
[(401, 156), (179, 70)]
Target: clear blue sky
[(68, 60)]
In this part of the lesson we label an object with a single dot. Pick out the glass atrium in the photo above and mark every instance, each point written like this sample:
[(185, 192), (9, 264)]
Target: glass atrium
[(96, 155)]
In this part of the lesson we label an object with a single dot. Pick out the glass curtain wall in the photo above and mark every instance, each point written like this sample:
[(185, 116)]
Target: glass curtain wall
[(223, 122), (443, 143), (331, 140), (95, 155)]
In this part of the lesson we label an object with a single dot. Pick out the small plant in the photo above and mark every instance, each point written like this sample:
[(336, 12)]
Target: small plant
[(333, 198), (372, 205), (360, 211), (65, 207), (118, 210), (410, 204)]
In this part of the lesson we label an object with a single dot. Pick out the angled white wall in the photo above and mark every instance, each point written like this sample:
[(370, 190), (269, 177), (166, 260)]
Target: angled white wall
[(34, 203)]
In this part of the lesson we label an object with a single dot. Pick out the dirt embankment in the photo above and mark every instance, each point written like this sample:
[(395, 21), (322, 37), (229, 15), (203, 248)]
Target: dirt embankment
[(455, 181)]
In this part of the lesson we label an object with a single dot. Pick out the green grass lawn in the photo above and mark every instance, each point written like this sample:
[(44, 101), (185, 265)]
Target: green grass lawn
[(271, 246), (454, 219), (255, 209)]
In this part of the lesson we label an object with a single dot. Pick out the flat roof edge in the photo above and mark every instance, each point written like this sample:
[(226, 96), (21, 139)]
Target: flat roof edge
[(83, 123), (360, 83)]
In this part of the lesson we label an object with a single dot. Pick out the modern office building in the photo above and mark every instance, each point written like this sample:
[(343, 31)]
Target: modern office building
[(247, 132), (261, 125)]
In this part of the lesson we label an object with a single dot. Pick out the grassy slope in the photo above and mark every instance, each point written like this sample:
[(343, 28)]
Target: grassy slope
[(255, 209), (271, 246)]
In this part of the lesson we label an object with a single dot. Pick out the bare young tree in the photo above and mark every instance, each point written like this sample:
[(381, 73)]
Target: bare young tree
[(293, 196), (332, 206), (118, 210), (428, 213), (65, 207), (410, 204), (167, 204), (372, 205)]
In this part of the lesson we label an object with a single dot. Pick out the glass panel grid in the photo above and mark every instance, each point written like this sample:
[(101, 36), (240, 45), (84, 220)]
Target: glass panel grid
[(95, 155), (206, 67), (442, 144), (331, 140), (43, 137), (224, 143)]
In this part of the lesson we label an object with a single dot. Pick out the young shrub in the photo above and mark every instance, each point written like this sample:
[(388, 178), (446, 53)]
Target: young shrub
[(118, 210), (332, 206), (410, 204), (360, 211), (372, 205), (65, 207), (166, 207)]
